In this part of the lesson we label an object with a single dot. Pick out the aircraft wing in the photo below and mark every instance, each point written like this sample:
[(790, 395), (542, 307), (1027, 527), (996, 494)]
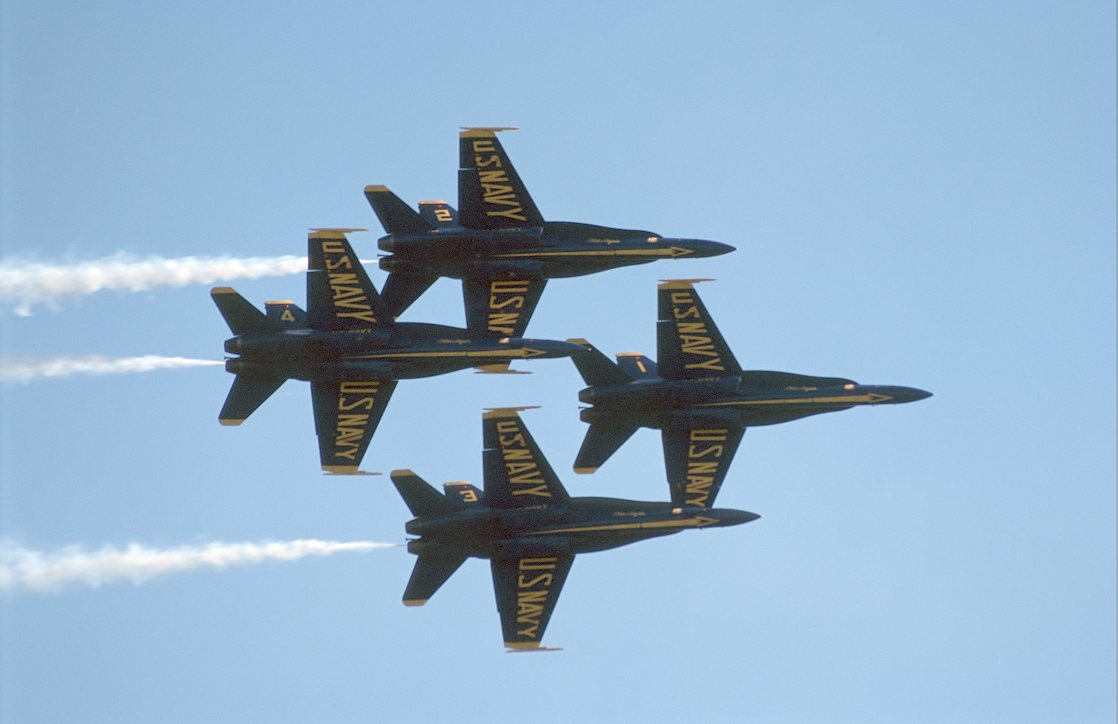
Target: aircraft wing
[(346, 414), (490, 192), (339, 293), (500, 307), (517, 475), (688, 344), (527, 587), (696, 460)]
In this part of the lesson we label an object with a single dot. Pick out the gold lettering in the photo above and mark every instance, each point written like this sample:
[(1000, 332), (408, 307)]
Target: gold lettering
[(333, 246), (688, 313), (493, 177), (484, 146), (344, 405), (503, 322), (696, 452), (543, 579), (341, 263), (517, 302), (509, 214), (711, 435), (538, 564), (483, 161), (710, 364)]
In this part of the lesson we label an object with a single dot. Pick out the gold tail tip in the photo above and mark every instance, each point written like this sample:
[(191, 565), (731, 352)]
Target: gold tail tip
[(483, 131), (411, 602), (586, 471), (222, 290), (497, 412), (579, 341), (325, 233), (402, 473), (682, 283), (229, 422), (340, 469), (376, 189)]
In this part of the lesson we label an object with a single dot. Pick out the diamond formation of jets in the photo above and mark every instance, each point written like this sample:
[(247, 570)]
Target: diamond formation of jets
[(528, 527), (499, 244), (699, 397), (350, 350)]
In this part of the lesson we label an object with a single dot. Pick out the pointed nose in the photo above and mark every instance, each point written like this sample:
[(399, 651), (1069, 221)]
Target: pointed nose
[(729, 516), (699, 247), (900, 395)]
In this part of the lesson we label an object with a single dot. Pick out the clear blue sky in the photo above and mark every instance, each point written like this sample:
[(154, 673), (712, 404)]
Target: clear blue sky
[(920, 194)]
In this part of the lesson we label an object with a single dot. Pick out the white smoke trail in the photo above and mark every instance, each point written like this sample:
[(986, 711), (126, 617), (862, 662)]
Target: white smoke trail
[(12, 370), (22, 569), (29, 283)]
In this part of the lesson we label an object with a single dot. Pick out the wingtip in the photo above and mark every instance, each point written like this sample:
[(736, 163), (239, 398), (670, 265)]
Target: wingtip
[(492, 413), (682, 283), (483, 131), (330, 233), (341, 469)]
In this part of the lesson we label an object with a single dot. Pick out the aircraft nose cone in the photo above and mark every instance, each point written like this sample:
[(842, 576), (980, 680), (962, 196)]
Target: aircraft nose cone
[(700, 247), (907, 394), (729, 516)]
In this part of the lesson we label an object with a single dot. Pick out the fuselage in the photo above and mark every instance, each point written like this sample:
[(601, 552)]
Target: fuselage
[(556, 249), (402, 351), (581, 525), (751, 399)]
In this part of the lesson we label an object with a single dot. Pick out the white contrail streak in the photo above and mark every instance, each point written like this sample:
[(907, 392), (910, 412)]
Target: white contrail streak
[(22, 569), (15, 370), (29, 283)]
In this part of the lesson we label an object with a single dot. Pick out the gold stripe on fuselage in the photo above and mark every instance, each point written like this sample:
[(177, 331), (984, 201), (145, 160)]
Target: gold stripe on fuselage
[(670, 251), (697, 521), (869, 398)]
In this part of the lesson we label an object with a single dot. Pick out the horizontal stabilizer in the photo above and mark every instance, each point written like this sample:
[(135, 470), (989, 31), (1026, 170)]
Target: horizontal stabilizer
[(395, 216), (432, 569), (596, 369), (602, 441), (420, 496), (242, 317), (247, 393), (401, 289)]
